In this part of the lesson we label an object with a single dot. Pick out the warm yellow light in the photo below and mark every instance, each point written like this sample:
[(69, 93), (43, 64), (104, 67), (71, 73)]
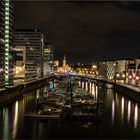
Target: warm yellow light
[(130, 76), (17, 72), (137, 77), (117, 75), (94, 66)]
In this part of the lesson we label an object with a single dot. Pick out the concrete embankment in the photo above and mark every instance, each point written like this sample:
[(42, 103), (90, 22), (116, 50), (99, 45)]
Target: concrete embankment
[(17, 90), (135, 94), (128, 90)]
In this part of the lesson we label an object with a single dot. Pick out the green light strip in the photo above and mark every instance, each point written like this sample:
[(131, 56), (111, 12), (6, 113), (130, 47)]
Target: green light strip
[(6, 42)]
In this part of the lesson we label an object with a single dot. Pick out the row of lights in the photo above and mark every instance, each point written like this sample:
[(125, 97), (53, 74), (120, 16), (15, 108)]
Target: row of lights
[(137, 77), (6, 42), (91, 72), (118, 75), (130, 76)]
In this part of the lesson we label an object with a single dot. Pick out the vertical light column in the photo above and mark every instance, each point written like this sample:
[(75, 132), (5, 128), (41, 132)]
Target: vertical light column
[(6, 42)]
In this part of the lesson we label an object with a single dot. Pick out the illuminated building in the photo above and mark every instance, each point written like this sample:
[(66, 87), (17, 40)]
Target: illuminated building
[(56, 63), (31, 42), (6, 43), (65, 68), (120, 71), (85, 69), (107, 70), (133, 72), (24, 69), (48, 59), (110, 70)]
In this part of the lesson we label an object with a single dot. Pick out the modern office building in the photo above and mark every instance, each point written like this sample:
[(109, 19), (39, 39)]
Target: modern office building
[(29, 45), (106, 70), (6, 43), (121, 71), (48, 59), (102, 69), (24, 69)]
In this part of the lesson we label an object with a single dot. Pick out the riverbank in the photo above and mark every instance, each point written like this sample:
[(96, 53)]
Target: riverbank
[(16, 91)]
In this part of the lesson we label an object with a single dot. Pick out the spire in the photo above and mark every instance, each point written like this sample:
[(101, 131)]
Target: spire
[(64, 61), (64, 57)]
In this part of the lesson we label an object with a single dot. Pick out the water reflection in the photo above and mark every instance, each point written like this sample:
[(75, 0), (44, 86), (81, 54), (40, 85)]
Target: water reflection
[(37, 94), (79, 83), (90, 87), (15, 120), (83, 85), (93, 90), (129, 111), (96, 92), (86, 86), (117, 108), (122, 108), (6, 123), (113, 111), (136, 116)]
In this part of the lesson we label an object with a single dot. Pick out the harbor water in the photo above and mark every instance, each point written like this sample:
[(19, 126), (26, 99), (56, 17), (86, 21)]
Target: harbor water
[(120, 118)]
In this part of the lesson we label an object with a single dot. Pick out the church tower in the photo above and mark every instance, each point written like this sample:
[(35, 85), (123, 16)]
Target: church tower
[(64, 61)]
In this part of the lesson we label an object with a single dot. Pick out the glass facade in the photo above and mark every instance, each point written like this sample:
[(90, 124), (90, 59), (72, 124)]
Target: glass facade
[(6, 43), (32, 42), (48, 59)]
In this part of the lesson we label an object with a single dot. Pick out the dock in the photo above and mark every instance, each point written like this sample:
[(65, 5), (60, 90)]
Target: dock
[(40, 116)]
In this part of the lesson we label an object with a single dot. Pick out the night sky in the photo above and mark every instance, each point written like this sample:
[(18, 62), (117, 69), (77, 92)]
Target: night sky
[(84, 31)]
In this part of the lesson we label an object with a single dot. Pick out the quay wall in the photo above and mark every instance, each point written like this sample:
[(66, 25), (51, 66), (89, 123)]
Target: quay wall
[(127, 91), (18, 90), (132, 93)]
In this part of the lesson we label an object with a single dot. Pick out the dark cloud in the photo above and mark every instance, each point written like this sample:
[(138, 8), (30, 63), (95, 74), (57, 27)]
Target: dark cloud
[(84, 31)]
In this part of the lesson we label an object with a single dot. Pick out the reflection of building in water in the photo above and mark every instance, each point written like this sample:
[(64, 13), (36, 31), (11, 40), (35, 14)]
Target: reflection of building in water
[(14, 133), (129, 110), (6, 124), (113, 111), (126, 108), (136, 116), (86, 86), (122, 108)]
